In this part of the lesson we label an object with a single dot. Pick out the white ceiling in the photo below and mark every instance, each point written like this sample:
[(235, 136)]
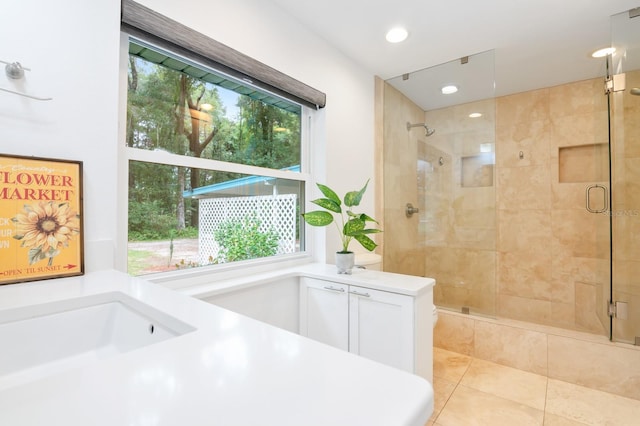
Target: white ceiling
[(535, 43)]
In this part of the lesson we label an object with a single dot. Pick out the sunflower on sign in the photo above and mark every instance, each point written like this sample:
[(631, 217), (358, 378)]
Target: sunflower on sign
[(45, 228)]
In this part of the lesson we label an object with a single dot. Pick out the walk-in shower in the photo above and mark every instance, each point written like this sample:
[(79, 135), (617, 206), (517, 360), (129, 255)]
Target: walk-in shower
[(498, 196)]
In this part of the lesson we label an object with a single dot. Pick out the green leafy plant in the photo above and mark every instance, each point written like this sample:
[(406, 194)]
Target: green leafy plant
[(242, 239), (352, 225)]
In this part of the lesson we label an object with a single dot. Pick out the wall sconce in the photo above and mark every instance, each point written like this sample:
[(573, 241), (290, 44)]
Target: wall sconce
[(15, 71)]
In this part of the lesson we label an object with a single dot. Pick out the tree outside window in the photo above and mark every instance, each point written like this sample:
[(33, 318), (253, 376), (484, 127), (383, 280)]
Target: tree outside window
[(179, 108)]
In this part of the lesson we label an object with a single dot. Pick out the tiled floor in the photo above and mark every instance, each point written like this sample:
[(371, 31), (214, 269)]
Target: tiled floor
[(470, 391)]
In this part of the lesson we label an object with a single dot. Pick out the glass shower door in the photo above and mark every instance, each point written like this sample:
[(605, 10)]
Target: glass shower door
[(439, 157), (624, 116)]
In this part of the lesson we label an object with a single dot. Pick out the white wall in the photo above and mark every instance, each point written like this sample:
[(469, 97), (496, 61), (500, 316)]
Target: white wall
[(72, 46)]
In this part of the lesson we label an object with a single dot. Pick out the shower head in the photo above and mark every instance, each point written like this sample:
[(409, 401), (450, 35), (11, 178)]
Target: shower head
[(428, 130)]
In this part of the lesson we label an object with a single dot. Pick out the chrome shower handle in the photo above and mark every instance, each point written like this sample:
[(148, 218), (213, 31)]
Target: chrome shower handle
[(410, 210), (604, 199)]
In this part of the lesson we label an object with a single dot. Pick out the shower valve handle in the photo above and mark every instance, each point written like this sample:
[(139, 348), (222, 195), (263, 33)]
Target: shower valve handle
[(410, 210)]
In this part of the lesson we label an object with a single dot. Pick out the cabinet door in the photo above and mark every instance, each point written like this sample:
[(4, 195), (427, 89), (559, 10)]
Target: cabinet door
[(324, 312), (381, 327)]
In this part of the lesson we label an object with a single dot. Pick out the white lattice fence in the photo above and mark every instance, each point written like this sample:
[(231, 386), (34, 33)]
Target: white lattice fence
[(277, 212)]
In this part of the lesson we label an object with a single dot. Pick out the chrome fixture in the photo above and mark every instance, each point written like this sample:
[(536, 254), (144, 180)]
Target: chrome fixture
[(635, 91), (604, 206), (410, 210), (15, 71), (429, 131)]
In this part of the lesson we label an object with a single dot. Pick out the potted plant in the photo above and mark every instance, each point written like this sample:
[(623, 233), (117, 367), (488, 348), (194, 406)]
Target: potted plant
[(352, 226)]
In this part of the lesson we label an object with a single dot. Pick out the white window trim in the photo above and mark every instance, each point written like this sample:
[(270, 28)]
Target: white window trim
[(163, 157)]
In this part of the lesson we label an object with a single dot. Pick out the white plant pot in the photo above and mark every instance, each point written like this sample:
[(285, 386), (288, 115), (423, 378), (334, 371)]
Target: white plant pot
[(344, 262)]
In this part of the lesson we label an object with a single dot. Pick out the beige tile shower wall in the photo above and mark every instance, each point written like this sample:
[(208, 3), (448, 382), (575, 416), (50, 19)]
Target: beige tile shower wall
[(580, 243), (523, 199), (402, 251), (524, 248), (460, 218), (626, 206), (551, 253)]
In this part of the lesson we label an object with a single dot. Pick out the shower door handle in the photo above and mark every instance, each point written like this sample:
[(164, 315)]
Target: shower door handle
[(605, 203)]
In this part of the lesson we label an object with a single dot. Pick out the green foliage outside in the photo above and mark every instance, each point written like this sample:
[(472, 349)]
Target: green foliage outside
[(242, 240), (148, 222), (174, 112), (136, 261)]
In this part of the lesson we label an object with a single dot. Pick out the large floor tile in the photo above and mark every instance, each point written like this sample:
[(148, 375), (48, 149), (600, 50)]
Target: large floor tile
[(506, 382), (470, 407), (442, 390), (589, 406), (553, 420), (448, 365)]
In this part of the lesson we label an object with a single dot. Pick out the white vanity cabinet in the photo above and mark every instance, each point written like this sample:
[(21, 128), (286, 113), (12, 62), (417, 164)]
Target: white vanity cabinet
[(384, 326), (324, 312), (381, 326)]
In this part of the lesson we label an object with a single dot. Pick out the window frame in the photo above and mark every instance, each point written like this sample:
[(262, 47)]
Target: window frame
[(126, 154), (147, 24)]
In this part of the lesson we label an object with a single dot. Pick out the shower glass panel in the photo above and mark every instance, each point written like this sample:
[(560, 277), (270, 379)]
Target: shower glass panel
[(624, 110), (447, 174)]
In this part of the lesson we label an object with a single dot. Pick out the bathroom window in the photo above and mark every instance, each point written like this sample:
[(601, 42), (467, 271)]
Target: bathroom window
[(215, 166)]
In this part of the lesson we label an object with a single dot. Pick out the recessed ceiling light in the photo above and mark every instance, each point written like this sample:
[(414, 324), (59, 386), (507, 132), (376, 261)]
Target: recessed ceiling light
[(475, 115), (447, 90), (396, 35), (601, 53)]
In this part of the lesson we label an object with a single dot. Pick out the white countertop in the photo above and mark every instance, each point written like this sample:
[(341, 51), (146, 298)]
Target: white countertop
[(377, 280), (231, 371)]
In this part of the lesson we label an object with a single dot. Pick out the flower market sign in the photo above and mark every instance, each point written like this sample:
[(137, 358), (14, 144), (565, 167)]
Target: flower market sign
[(40, 218)]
